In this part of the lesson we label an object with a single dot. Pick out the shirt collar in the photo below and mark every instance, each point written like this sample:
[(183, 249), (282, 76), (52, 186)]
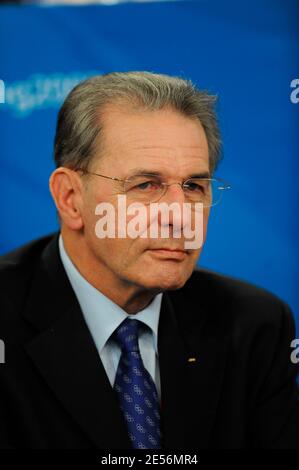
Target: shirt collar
[(101, 314)]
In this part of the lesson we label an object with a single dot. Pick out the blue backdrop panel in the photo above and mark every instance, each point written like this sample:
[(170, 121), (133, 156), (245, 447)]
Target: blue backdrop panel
[(247, 54)]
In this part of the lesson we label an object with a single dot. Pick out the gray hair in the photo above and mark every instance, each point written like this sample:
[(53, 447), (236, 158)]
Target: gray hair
[(79, 124)]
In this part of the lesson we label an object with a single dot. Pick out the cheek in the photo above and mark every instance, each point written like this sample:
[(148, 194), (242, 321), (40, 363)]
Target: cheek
[(88, 209), (205, 222)]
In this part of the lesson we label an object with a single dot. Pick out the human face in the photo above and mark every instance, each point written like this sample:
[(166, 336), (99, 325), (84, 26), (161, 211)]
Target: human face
[(163, 141)]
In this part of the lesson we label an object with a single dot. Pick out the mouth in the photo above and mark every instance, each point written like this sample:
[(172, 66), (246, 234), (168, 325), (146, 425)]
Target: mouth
[(168, 253)]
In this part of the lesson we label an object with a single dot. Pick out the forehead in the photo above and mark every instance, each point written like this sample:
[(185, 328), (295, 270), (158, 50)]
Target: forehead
[(158, 140)]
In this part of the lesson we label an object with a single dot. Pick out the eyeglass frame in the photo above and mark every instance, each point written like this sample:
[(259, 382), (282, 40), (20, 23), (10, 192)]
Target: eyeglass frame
[(164, 184)]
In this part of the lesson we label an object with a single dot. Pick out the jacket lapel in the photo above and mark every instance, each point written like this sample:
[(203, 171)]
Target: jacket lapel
[(65, 355), (192, 355)]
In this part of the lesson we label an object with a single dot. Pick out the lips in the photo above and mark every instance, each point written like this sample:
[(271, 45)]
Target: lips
[(169, 249), (169, 253)]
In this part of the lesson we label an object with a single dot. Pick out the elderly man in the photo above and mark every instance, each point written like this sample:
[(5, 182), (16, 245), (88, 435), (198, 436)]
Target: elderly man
[(117, 341)]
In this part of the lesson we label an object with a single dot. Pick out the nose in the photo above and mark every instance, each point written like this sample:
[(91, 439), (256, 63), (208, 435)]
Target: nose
[(174, 193)]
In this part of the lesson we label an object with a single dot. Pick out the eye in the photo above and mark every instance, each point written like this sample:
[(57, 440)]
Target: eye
[(195, 186), (145, 186)]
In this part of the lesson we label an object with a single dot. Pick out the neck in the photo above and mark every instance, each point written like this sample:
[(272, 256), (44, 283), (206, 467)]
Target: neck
[(130, 297)]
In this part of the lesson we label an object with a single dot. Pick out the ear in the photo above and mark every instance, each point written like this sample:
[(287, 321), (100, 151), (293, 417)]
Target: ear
[(66, 189)]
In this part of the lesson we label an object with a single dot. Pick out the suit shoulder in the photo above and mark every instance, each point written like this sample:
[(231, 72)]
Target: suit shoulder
[(17, 265), (244, 299)]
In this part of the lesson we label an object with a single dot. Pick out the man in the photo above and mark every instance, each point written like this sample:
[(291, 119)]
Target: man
[(117, 341)]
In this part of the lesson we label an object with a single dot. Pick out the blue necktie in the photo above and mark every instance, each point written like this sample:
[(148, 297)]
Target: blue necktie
[(136, 390)]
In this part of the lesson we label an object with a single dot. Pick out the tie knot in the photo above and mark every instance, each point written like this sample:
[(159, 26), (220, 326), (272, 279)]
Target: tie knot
[(126, 334)]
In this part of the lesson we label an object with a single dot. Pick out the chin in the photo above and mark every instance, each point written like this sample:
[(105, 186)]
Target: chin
[(167, 280)]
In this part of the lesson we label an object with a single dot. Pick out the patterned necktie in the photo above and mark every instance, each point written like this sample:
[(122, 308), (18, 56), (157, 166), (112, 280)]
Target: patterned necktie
[(136, 390)]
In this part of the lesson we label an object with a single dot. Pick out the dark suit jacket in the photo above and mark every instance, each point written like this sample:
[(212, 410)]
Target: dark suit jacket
[(54, 393)]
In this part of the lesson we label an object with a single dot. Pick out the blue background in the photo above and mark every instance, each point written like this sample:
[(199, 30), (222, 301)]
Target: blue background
[(245, 52)]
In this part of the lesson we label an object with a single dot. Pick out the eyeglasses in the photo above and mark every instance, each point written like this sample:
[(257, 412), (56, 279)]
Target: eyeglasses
[(147, 188)]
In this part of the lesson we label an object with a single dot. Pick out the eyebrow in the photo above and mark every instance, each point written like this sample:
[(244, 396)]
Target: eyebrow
[(204, 174), (144, 171)]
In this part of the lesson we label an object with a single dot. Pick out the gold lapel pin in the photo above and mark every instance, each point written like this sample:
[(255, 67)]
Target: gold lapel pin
[(191, 359)]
